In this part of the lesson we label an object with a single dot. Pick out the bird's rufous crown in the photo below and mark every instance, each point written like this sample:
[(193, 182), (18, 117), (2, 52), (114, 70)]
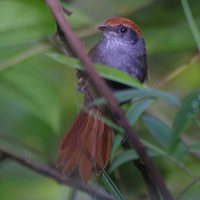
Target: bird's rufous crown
[(115, 21)]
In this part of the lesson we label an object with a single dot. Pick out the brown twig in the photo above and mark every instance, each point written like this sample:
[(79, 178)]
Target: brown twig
[(54, 174), (151, 187), (148, 180), (78, 49)]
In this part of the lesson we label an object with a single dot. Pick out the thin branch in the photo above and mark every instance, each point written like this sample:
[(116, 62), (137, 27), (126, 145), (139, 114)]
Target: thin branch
[(78, 49), (151, 187), (54, 174), (185, 190), (24, 55), (177, 71)]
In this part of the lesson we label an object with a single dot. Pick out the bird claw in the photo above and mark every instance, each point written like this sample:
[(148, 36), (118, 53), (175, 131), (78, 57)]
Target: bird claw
[(81, 85)]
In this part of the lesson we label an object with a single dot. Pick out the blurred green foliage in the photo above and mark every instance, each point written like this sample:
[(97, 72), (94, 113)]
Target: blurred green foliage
[(38, 100)]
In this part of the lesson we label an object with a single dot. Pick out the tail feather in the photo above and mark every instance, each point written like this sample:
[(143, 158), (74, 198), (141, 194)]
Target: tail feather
[(70, 141), (104, 148), (72, 162), (87, 141), (86, 145)]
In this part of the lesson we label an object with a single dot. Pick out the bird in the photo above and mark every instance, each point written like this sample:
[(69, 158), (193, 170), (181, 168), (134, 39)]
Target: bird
[(87, 145)]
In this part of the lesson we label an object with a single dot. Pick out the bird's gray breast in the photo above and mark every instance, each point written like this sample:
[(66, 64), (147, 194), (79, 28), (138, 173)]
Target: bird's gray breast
[(125, 57)]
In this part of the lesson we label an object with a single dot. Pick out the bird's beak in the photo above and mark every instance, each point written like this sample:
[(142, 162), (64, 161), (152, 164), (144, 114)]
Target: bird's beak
[(105, 28)]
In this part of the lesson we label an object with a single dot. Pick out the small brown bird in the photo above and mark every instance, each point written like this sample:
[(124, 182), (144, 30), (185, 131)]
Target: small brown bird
[(88, 142)]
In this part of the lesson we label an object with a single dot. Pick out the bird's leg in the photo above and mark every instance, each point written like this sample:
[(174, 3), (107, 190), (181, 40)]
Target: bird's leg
[(81, 85)]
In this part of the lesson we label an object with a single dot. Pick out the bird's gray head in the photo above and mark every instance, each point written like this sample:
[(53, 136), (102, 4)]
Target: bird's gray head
[(120, 31)]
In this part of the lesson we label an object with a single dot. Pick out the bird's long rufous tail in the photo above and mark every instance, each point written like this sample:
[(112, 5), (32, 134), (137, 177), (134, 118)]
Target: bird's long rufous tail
[(87, 144)]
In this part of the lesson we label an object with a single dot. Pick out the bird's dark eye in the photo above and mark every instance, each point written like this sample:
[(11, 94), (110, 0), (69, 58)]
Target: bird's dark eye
[(123, 29)]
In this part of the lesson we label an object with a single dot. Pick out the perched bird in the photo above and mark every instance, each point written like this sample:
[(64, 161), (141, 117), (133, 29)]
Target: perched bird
[(88, 142)]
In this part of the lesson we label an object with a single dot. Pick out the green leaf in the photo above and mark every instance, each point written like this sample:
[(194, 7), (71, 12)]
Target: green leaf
[(116, 144), (159, 130), (113, 125), (181, 152), (163, 135), (189, 109), (123, 158), (148, 93), (117, 75), (66, 60), (164, 154), (137, 109), (109, 184), (128, 94), (126, 156), (154, 148), (105, 71)]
